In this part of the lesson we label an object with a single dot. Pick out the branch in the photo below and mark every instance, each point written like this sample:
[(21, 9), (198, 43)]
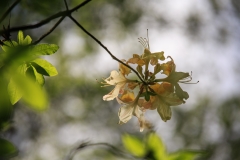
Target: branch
[(50, 31), (113, 57), (9, 10), (43, 22), (83, 145)]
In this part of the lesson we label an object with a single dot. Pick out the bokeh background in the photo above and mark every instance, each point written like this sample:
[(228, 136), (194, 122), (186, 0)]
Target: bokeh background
[(202, 36)]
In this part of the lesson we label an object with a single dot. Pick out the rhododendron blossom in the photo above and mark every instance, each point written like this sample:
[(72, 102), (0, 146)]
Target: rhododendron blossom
[(152, 93)]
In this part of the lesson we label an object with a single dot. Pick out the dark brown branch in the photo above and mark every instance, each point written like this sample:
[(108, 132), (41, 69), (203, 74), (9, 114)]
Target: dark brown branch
[(113, 149), (113, 57), (47, 20), (50, 31), (9, 10)]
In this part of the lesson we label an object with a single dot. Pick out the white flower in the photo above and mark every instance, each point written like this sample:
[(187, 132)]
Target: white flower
[(116, 78), (129, 108)]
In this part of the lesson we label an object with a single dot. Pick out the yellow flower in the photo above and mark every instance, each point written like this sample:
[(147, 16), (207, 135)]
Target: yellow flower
[(136, 60), (164, 98)]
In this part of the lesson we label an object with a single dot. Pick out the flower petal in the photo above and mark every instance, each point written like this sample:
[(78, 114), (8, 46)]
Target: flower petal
[(173, 100), (125, 113), (164, 111), (127, 96), (114, 93), (115, 77), (123, 69)]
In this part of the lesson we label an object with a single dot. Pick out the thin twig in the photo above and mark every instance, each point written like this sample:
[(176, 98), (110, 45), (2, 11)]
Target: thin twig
[(113, 57), (47, 20), (65, 2), (50, 31), (9, 10), (83, 145)]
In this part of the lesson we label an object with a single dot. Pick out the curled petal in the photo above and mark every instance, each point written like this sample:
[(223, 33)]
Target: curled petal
[(125, 113), (168, 67), (115, 77), (141, 119), (114, 93), (142, 123)]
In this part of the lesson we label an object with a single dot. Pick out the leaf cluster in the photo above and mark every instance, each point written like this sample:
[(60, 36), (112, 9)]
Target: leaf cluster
[(153, 149), (22, 74)]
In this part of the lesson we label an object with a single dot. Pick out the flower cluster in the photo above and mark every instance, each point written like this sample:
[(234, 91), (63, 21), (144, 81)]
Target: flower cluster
[(152, 93)]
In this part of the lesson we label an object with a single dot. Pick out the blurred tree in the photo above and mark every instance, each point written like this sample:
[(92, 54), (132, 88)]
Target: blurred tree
[(76, 110)]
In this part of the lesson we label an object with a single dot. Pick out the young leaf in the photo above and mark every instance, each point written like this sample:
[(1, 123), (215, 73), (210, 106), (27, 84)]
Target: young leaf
[(39, 77), (8, 44), (31, 92), (7, 149), (14, 92), (44, 67), (22, 69), (155, 144), (20, 38), (133, 145), (45, 49), (147, 96), (27, 40), (186, 155)]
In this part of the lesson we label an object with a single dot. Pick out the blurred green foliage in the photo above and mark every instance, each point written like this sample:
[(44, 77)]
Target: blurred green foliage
[(152, 148), (76, 109), (17, 62)]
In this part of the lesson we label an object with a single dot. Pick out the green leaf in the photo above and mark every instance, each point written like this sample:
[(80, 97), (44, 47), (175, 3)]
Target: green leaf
[(22, 69), (8, 45), (6, 109), (14, 92), (39, 77), (133, 145), (44, 67), (156, 145), (186, 155), (152, 93), (27, 40), (45, 49), (7, 149), (20, 38), (147, 96), (31, 92)]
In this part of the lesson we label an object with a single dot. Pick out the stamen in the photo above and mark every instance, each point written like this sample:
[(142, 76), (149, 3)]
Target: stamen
[(170, 58), (148, 41), (143, 41), (189, 83)]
